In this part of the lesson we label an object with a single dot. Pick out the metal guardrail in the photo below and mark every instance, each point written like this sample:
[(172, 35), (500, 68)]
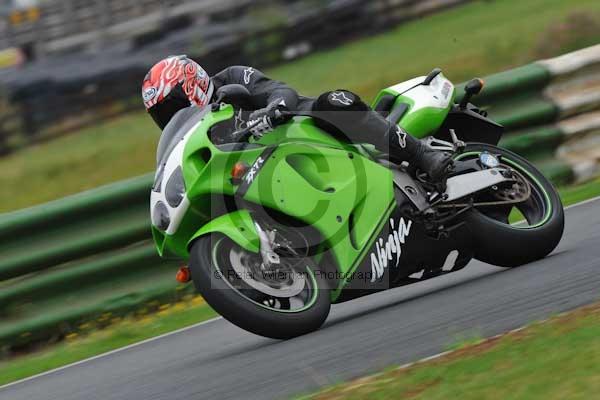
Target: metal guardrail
[(78, 258), (552, 111)]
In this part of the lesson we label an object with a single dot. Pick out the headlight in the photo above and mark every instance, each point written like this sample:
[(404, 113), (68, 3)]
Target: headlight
[(160, 216), (175, 189)]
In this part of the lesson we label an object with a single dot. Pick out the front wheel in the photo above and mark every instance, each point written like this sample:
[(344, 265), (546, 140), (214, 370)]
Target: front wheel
[(498, 239), (280, 302)]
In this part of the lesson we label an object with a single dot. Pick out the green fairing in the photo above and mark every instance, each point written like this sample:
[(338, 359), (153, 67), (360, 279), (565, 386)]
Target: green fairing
[(382, 93), (422, 122), (324, 186), (202, 181), (309, 176), (303, 129), (238, 226)]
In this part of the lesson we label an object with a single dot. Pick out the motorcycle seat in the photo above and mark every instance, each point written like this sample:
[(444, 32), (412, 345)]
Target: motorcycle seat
[(385, 104)]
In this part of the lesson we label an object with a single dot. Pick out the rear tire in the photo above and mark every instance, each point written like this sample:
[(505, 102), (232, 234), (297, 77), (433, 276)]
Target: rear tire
[(209, 256), (508, 245)]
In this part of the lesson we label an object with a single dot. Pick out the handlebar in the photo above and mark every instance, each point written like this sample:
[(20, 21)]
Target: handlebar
[(242, 134), (245, 133)]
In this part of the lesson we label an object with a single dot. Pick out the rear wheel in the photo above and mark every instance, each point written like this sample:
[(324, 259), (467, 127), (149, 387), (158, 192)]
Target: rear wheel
[(280, 302), (501, 241)]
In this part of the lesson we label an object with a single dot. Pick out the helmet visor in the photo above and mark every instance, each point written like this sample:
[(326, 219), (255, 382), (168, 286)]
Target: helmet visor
[(162, 112)]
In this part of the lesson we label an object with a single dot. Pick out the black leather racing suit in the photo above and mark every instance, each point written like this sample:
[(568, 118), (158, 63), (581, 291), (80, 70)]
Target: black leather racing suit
[(340, 112)]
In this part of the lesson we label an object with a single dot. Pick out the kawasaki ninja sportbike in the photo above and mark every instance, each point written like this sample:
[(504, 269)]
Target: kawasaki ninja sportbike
[(277, 228)]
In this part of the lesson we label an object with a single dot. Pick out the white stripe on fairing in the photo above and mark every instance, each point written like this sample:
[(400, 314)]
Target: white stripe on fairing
[(174, 160), (216, 319)]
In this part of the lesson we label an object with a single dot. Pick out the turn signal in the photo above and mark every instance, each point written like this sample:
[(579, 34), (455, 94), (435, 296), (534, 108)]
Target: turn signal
[(183, 275), (482, 83), (472, 88), (238, 171)]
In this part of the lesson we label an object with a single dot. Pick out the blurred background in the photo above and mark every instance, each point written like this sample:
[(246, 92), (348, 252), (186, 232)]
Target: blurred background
[(73, 66), (87, 58), (71, 116)]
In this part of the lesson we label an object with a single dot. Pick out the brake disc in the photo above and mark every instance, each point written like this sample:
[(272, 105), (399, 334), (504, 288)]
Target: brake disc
[(518, 192), (284, 288)]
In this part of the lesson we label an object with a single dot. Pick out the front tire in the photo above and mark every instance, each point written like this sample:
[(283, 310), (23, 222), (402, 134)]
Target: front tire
[(502, 244), (259, 312)]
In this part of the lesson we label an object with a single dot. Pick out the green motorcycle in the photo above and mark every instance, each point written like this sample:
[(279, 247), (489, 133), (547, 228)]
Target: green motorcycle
[(277, 228)]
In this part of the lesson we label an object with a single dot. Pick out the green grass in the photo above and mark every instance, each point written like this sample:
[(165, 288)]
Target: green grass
[(557, 359), (121, 333), (475, 39), (122, 148), (478, 38), (575, 194)]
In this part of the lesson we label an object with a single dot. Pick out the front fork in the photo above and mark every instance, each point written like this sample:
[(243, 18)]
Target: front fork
[(267, 240)]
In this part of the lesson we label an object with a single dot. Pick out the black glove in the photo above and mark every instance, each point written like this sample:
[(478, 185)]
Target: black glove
[(264, 120)]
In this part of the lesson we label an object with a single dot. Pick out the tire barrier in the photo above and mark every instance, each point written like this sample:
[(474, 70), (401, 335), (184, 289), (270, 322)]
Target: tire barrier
[(551, 109)]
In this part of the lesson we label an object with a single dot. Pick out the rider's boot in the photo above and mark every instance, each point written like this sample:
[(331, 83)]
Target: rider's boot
[(349, 114), (404, 147)]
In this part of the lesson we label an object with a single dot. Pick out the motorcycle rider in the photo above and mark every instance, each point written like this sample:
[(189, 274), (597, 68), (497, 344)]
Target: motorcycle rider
[(177, 82)]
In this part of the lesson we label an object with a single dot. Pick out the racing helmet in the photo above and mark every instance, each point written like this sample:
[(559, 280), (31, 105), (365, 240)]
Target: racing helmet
[(172, 84)]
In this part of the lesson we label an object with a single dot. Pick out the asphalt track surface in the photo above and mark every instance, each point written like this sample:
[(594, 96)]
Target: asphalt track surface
[(216, 360)]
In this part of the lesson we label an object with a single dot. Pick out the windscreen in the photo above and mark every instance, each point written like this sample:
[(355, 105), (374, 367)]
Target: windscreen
[(180, 124)]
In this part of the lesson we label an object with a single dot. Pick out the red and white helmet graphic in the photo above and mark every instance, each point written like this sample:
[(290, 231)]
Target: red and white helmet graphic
[(167, 74)]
